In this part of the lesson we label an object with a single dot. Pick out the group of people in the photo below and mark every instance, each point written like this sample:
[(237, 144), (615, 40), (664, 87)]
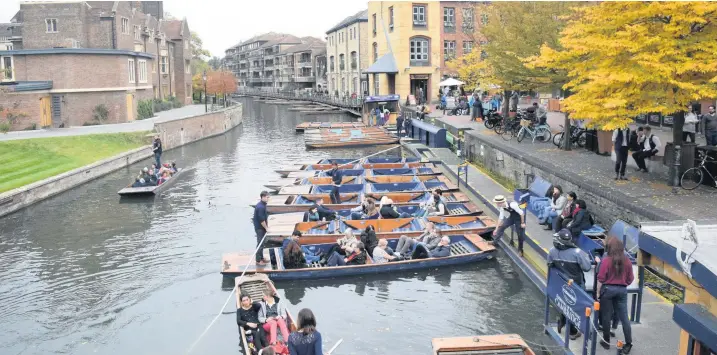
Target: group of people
[(263, 320), (379, 117), (155, 175), (642, 143)]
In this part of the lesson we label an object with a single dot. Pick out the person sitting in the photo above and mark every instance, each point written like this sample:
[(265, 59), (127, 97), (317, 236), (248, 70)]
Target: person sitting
[(306, 340), (427, 245), (293, 256), (325, 213), (649, 145), (309, 255), (357, 256), (312, 215), (368, 238), (344, 245), (164, 178), (380, 255), (567, 214), (443, 249), (272, 315), (437, 205), (387, 210), (430, 238), (248, 317), (556, 205), (138, 182), (267, 351), (582, 219), (372, 211), (152, 177), (174, 167), (361, 211)]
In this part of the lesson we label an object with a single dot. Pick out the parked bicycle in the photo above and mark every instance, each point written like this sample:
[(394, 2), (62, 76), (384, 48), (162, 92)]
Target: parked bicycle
[(541, 133), (577, 136), (692, 178), (508, 129)]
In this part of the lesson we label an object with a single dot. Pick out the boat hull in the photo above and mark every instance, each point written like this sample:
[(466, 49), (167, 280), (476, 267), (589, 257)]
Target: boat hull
[(151, 190)]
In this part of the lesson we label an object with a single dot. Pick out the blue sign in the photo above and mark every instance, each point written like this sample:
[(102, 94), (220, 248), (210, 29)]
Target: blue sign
[(381, 98), (570, 299)]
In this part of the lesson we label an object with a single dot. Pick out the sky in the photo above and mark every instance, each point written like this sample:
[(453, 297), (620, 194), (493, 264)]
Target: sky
[(224, 23)]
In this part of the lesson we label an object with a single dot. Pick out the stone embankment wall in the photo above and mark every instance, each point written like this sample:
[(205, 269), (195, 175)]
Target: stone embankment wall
[(173, 133), (606, 206)]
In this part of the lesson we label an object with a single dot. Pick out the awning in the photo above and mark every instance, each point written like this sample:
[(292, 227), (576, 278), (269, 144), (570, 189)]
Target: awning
[(450, 82), (384, 65)]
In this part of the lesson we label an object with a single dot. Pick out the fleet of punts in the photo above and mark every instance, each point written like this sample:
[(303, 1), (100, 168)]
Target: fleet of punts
[(353, 137), (301, 127)]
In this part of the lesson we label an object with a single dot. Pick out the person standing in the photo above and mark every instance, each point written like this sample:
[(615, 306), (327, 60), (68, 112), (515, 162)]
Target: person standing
[(710, 120), (419, 94), (510, 215), (650, 145), (690, 127), (399, 125), (336, 177), (157, 149), (261, 226), (620, 139), (514, 102), (477, 108), (614, 276)]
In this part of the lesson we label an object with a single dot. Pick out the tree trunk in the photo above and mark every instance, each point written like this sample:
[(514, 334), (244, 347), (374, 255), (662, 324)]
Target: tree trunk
[(677, 126), (567, 137), (506, 101)]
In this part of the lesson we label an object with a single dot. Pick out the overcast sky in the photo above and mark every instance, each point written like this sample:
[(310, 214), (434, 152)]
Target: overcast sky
[(223, 23)]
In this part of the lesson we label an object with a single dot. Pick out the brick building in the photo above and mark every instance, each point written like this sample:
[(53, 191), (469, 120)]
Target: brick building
[(69, 57)]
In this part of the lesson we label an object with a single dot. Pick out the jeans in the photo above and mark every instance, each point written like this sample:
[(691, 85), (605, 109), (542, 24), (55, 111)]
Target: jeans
[(690, 135), (309, 255), (711, 137), (157, 155), (399, 128), (405, 244), (404, 215), (620, 160), (356, 215), (335, 197), (420, 251), (258, 336), (547, 214), (613, 299), (260, 233), (640, 158), (271, 325), (504, 224), (336, 259)]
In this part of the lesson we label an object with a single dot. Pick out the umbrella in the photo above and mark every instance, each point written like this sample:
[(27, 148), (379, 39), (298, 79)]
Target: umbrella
[(450, 82)]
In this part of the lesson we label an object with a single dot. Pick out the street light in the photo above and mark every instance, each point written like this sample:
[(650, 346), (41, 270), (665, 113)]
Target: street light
[(204, 78)]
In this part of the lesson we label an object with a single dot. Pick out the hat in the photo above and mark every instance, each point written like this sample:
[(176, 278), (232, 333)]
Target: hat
[(145, 169), (564, 236), (499, 199)]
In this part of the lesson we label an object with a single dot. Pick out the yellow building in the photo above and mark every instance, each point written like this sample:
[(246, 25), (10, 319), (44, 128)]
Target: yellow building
[(347, 55), (405, 49)]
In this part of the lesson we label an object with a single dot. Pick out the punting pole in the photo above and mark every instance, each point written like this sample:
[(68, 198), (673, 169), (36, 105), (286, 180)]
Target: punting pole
[(335, 346)]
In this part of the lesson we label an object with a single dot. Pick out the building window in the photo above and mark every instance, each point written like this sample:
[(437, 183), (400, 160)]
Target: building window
[(187, 66), (449, 50), (163, 64), (484, 19), (342, 65), (6, 69), (131, 70), (331, 64), (419, 15), (137, 33), (354, 60), (419, 51), (449, 17), (186, 44), (189, 90), (375, 84), (51, 25), (354, 85), (468, 22), (142, 70), (125, 26), (467, 47), (374, 25), (375, 52), (343, 85), (390, 18)]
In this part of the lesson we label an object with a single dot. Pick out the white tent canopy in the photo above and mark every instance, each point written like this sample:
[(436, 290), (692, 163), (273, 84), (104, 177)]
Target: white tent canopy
[(450, 82)]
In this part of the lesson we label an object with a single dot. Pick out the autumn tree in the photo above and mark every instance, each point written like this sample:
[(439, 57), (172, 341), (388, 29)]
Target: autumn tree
[(221, 83), (624, 59)]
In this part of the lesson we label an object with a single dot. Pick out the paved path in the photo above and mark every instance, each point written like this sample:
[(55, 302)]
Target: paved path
[(649, 190), (135, 126)]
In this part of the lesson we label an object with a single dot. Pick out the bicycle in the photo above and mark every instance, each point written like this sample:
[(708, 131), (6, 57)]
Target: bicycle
[(508, 129), (577, 135), (540, 132), (692, 177)]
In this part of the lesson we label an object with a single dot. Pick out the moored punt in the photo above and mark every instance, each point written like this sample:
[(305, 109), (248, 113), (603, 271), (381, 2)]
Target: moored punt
[(505, 344), (151, 190), (320, 189), (314, 180), (454, 209), (254, 286), (301, 127), (464, 249), (431, 182), (366, 172), (285, 170), (328, 232), (330, 138)]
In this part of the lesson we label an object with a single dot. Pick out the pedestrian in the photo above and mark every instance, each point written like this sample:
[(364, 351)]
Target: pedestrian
[(690, 127), (260, 220), (571, 261), (419, 93), (157, 149), (477, 110), (710, 120), (510, 215), (336, 177), (399, 125), (620, 139), (649, 145), (514, 102), (407, 127), (614, 276)]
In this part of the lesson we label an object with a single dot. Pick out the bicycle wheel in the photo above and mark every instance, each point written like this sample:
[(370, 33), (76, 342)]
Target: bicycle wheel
[(498, 128), (582, 139), (558, 139), (521, 135), (543, 135), (488, 124), (507, 134), (692, 178)]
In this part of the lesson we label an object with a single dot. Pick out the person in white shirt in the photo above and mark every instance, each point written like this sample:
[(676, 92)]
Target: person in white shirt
[(650, 145), (510, 215), (620, 139), (690, 127)]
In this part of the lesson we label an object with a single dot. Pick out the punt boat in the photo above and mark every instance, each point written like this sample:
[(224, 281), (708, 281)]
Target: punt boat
[(316, 125), (302, 202), (364, 172), (415, 186), (332, 138), (430, 181), (454, 209), (330, 231), (314, 180), (503, 344), (465, 249), (326, 167), (254, 285), (151, 190)]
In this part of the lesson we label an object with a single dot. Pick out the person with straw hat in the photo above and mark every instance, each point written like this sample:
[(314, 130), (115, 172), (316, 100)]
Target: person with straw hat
[(510, 215)]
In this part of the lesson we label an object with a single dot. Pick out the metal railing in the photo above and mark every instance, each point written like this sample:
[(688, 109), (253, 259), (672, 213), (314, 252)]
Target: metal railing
[(354, 103)]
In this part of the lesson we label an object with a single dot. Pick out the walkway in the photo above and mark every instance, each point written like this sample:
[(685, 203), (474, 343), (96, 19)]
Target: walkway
[(649, 190), (656, 334), (134, 126)]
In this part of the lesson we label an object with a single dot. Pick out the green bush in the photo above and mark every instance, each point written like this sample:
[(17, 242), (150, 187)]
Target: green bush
[(176, 103), (91, 123), (31, 127), (145, 109), (100, 113), (4, 127)]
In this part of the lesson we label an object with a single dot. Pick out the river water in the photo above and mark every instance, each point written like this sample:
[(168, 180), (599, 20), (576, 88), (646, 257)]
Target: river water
[(87, 273)]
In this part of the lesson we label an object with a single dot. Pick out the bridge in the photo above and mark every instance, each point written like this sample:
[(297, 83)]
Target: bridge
[(348, 104)]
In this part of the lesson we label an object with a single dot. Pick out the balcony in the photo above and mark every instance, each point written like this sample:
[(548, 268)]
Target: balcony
[(305, 79)]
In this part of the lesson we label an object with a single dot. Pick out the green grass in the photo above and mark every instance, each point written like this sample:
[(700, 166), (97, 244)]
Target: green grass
[(29, 160)]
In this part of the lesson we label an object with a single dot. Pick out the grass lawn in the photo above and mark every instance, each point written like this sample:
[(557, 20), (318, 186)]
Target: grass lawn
[(29, 160)]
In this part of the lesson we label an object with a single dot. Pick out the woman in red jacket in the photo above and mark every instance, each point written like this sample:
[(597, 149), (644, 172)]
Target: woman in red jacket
[(613, 278)]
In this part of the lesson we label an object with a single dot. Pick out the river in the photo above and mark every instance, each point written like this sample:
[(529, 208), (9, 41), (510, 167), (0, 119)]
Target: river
[(87, 273)]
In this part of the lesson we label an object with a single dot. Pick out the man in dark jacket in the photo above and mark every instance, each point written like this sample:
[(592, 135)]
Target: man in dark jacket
[(387, 211), (261, 220), (582, 220), (337, 177), (325, 213), (477, 110), (572, 262), (399, 125), (157, 149)]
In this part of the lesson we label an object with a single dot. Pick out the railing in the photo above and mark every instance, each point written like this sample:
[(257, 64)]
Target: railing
[(343, 102)]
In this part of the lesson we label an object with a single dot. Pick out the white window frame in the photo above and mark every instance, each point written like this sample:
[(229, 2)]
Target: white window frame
[(186, 44), (142, 71), (51, 25), (12, 68), (467, 47), (449, 17), (131, 71), (188, 66), (419, 15), (164, 64), (468, 16), (390, 17), (418, 52), (137, 33), (124, 25), (484, 19), (449, 49)]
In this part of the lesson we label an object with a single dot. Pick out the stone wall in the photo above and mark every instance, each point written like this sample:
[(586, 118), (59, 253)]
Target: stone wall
[(182, 131), (606, 206)]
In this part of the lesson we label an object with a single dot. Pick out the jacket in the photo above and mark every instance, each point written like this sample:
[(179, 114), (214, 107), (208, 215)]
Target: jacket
[(568, 209), (441, 251), (710, 122), (280, 308), (431, 240), (690, 123), (337, 176), (356, 258), (570, 260), (347, 242), (388, 212), (582, 221), (325, 212), (369, 240), (308, 217), (250, 315), (559, 204)]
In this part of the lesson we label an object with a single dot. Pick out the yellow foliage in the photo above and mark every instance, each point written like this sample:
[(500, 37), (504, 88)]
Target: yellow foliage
[(629, 58)]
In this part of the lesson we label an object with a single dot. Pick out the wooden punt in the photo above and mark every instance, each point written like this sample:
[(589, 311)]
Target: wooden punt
[(254, 285), (503, 344), (301, 127), (332, 138), (285, 170), (329, 231), (464, 249), (319, 189), (151, 190), (454, 209), (366, 172), (314, 180), (431, 182)]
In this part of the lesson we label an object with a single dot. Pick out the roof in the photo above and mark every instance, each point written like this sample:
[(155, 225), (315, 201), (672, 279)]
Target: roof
[(385, 64), (17, 18), (6, 29), (310, 44), (174, 29), (361, 16), (262, 37)]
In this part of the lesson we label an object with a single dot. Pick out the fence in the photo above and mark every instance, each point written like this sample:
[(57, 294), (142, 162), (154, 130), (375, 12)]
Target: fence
[(344, 102)]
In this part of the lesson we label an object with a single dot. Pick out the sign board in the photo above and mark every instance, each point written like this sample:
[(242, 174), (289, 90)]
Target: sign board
[(668, 120), (570, 299), (420, 76), (641, 118), (654, 119)]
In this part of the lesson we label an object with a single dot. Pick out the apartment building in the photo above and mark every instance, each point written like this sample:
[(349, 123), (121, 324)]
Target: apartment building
[(302, 66), (460, 32), (69, 57), (347, 53)]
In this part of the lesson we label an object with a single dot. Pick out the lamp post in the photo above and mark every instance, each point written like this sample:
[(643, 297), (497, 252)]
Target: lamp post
[(204, 79)]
